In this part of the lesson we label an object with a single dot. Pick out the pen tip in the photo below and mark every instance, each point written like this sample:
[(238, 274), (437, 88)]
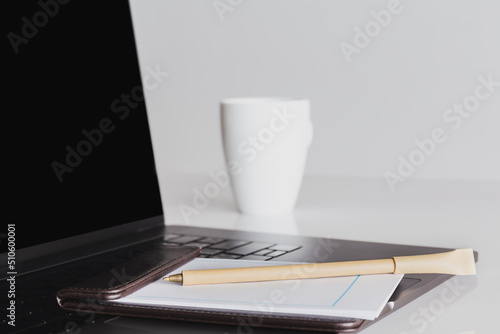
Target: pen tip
[(173, 278)]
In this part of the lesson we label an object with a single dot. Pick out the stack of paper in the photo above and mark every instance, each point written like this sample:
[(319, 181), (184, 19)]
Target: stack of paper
[(361, 297)]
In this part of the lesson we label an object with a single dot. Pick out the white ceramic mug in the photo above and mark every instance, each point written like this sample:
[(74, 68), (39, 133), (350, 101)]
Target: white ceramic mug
[(265, 144)]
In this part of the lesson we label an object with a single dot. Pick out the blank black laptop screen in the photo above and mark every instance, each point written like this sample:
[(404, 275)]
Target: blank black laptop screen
[(84, 160)]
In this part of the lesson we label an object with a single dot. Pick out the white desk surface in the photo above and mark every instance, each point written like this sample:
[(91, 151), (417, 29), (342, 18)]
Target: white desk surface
[(440, 213)]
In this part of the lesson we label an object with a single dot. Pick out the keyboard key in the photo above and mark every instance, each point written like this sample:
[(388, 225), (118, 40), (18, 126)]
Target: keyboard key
[(249, 248), (263, 252), (255, 257), (210, 251), (230, 244), (225, 256), (276, 253), (285, 248), (211, 240)]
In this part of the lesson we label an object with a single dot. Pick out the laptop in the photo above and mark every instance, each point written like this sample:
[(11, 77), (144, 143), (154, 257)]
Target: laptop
[(84, 183)]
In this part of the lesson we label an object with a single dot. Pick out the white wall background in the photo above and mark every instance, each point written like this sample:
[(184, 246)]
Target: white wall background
[(366, 113)]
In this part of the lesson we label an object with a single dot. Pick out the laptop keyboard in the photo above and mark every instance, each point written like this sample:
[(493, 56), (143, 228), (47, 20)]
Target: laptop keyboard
[(231, 249), (37, 310)]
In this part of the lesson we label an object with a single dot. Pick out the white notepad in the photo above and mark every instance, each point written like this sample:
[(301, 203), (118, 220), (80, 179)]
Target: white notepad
[(361, 297)]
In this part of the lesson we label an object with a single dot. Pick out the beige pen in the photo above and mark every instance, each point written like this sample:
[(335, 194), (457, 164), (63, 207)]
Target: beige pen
[(456, 262)]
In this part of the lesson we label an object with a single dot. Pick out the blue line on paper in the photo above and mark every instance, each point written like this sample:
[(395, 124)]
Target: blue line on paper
[(350, 286)]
